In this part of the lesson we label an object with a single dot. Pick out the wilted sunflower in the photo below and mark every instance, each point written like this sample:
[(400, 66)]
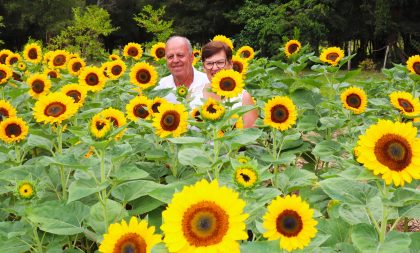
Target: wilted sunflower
[(140, 107), (405, 102), (204, 218), (413, 64), (26, 190), (76, 92), (212, 109), (58, 59), (13, 58), (99, 126), (32, 53), (114, 57), (54, 108), (392, 150), (224, 39), (292, 47), (21, 65), (133, 50), (245, 176), (13, 130), (5, 73), (3, 55), (143, 75), (354, 99), (182, 91), (171, 119), (75, 66), (280, 113), (92, 78), (115, 69), (39, 85), (6, 110), (156, 103), (52, 73), (195, 114), (332, 55), (246, 52), (239, 65), (290, 219), (227, 83), (158, 51), (134, 237)]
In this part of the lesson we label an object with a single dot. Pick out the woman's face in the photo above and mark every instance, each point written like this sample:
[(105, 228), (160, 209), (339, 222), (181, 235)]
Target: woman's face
[(215, 63)]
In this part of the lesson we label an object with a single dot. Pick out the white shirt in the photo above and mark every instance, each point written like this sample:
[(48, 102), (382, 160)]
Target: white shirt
[(195, 91)]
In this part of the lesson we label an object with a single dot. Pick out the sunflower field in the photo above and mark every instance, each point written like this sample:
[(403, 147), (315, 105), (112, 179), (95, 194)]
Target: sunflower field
[(94, 159)]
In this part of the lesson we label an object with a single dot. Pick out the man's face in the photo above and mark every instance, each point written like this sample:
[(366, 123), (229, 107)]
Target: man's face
[(178, 59)]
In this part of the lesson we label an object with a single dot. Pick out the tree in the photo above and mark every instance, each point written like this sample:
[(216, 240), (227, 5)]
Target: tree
[(1, 26)]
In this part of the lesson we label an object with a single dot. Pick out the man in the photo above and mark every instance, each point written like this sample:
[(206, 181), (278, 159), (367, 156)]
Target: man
[(179, 57)]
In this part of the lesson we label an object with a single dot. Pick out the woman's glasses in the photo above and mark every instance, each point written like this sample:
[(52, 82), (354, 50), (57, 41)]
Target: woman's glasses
[(210, 64)]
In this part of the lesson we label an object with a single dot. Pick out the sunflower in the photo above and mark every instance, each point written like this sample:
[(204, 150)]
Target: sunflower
[(212, 109), (197, 56), (75, 66), (280, 113), (332, 55), (239, 65), (39, 85), (239, 123), (133, 237), (54, 108), (17, 77), (21, 65), (195, 114), (245, 176), (182, 91), (291, 47), (290, 220), (58, 59), (12, 59), (156, 103), (115, 69), (92, 78), (52, 73), (158, 51), (32, 53), (6, 110), (413, 64), (405, 102), (227, 83), (243, 159), (26, 190), (5, 73), (133, 50), (171, 119), (140, 107), (116, 117), (246, 52), (204, 218), (100, 126), (76, 92), (354, 99), (143, 75), (392, 150), (3, 55), (47, 57), (13, 130), (224, 39), (114, 57)]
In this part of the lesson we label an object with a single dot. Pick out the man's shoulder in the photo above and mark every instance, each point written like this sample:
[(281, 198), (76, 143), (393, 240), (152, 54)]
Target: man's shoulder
[(200, 77), (166, 82)]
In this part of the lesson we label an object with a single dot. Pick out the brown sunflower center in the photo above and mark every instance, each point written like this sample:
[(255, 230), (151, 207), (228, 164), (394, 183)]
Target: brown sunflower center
[(143, 76), (140, 111), (279, 114), (3, 58), (246, 54), (170, 120), (416, 67), (132, 51), (238, 66), (332, 56), (100, 125), (13, 130), (76, 66), (52, 74), (92, 79), (353, 100), (289, 223), (3, 74), (204, 224), (55, 109), (160, 52), (75, 94), (245, 177), (130, 243), (38, 86), (114, 121), (292, 48), (59, 60), (211, 109), (116, 70), (393, 151), (16, 77), (13, 60), (227, 84), (196, 116), (155, 107), (4, 113), (32, 54), (406, 105), (196, 54)]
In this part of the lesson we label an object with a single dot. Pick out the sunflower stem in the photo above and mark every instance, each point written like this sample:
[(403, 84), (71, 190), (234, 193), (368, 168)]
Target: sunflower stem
[(174, 151), (216, 153), (104, 196), (372, 218), (62, 169)]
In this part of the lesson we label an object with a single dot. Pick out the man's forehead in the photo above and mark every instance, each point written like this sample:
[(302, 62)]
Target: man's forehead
[(176, 45)]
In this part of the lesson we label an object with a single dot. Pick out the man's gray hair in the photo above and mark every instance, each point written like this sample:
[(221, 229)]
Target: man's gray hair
[(185, 40)]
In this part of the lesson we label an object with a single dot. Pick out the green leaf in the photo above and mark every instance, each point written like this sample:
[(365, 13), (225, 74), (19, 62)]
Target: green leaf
[(293, 178), (308, 123), (348, 75), (194, 157), (415, 242), (144, 204), (338, 230), (160, 248), (84, 187), (411, 211), (134, 189), (112, 212), (348, 191), (404, 196), (326, 150), (13, 245), (242, 137), (187, 140), (128, 172), (260, 246), (165, 192), (35, 141)]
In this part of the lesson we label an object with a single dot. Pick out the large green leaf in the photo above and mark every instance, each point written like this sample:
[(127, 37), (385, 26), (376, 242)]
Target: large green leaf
[(348, 191), (13, 245), (36, 141), (293, 178), (338, 230), (194, 157), (134, 189), (103, 214), (84, 187)]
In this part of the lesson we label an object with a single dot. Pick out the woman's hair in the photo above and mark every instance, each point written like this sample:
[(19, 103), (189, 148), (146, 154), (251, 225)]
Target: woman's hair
[(214, 47)]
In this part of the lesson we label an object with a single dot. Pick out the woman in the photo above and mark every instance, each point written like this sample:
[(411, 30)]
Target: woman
[(216, 56)]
